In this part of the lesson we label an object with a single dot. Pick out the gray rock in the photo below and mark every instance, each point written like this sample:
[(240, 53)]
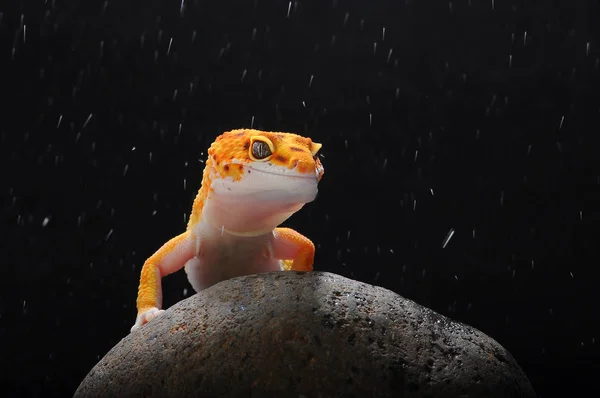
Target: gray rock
[(308, 334)]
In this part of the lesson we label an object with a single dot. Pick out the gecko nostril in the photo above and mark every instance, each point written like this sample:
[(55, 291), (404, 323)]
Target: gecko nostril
[(295, 163)]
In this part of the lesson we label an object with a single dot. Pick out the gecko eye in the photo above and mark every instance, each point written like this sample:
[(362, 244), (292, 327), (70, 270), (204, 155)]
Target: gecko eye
[(260, 148)]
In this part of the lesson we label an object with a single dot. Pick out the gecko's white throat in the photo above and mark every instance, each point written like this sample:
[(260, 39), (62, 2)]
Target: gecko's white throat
[(258, 202)]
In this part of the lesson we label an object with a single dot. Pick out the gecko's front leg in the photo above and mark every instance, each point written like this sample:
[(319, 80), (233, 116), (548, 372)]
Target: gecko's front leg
[(296, 251), (171, 257)]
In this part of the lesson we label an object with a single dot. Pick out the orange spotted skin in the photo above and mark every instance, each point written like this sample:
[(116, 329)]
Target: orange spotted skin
[(211, 254)]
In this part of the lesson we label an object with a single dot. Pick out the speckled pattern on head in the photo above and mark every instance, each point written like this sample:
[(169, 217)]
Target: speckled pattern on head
[(229, 155)]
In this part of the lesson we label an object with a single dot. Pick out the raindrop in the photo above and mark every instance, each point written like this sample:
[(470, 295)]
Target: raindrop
[(448, 237), (87, 120)]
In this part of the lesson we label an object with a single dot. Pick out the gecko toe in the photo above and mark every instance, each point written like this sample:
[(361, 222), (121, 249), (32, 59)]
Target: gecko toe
[(146, 317)]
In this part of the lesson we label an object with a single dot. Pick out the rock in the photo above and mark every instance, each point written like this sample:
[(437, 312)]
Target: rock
[(310, 334)]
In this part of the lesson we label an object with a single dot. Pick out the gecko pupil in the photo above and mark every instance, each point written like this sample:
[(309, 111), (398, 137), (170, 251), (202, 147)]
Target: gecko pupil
[(260, 150)]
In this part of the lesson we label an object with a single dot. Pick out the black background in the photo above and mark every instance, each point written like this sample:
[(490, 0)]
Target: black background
[(471, 116)]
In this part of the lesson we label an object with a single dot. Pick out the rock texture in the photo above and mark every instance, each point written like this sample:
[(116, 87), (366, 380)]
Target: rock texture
[(304, 335)]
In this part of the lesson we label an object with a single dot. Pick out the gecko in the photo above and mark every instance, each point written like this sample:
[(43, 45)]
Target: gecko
[(252, 182)]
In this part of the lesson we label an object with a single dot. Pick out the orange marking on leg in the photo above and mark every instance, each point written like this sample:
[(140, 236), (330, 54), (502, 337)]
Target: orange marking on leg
[(170, 258), (296, 251), (150, 290)]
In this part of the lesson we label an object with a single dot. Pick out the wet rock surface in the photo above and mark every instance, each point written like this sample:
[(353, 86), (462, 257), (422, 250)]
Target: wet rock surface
[(308, 334)]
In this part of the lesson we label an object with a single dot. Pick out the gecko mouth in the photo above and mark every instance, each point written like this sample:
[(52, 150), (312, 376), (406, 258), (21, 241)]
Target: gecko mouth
[(283, 174)]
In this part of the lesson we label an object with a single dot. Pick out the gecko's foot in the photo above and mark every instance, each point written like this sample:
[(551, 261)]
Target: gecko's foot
[(146, 317)]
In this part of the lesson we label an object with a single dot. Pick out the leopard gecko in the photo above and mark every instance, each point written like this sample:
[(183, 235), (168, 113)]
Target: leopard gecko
[(252, 182)]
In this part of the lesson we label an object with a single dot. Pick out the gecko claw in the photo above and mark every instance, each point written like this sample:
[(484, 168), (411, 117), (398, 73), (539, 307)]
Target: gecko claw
[(146, 317)]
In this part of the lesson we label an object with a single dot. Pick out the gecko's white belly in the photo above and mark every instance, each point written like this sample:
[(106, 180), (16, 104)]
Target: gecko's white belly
[(221, 256)]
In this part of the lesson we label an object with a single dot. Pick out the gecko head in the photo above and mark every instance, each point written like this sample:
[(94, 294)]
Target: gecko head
[(259, 178)]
